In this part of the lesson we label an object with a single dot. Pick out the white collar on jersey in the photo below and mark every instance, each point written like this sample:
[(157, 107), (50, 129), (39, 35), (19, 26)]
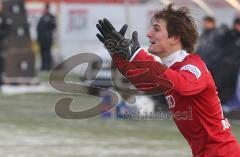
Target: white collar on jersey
[(177, 56)]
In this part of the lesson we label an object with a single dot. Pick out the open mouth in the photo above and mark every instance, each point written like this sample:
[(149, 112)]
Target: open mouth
[(152, 42)]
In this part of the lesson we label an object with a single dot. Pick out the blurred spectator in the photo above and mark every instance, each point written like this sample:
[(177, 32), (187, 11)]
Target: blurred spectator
[(229, 62), (215, 57), (210, 42), (206, 40), (219, 48), (234, 102), (45, 29), (4, 29)]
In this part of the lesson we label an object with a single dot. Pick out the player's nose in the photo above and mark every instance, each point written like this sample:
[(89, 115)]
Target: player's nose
[(149, 34)]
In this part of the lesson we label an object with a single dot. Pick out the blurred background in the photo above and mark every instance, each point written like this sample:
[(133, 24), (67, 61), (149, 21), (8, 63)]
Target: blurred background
[(38, 35)]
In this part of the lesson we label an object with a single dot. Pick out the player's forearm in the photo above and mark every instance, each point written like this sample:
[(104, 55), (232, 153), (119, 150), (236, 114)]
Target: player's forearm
[(141, 60), (141, 72)]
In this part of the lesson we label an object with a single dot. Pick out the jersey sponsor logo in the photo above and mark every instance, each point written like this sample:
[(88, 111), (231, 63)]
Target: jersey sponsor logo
[(226, 124), (193, 69), (170, 101)]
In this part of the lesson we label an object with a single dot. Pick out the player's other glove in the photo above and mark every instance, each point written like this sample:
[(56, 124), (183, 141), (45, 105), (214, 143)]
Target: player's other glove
[(126, 46), (115, 42)]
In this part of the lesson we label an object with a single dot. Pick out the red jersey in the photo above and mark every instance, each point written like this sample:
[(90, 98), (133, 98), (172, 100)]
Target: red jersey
[(193, 101)]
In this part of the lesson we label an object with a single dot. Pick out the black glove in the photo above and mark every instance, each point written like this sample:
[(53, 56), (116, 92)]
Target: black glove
[(125, 46), (107, 37), (115, 42)]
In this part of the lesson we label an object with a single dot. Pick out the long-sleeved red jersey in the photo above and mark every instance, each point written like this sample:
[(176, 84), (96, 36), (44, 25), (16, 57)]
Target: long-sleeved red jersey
[(193, 100)]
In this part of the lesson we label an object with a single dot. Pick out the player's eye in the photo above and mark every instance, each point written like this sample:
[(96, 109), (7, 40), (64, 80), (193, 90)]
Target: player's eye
[(156, 29)]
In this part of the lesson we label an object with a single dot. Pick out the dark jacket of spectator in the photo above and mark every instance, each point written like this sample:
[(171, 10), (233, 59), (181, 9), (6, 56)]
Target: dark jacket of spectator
[(206, 43), (45, 28), (228, 65)]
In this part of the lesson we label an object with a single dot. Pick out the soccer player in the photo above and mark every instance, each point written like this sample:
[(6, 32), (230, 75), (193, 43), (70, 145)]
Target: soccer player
[(193, 99)]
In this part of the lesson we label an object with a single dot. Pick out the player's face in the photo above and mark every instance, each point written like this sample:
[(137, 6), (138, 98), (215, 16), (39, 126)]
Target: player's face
[(158, 38)]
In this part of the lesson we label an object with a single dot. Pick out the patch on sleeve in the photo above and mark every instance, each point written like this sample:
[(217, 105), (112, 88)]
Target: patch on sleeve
[(193, 69)]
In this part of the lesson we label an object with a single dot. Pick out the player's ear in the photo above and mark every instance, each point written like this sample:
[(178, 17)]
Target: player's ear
[(174, 40)]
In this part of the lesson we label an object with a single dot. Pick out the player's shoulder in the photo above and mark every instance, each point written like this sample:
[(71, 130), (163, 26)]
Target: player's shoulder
[(191, 59), (192, 63)]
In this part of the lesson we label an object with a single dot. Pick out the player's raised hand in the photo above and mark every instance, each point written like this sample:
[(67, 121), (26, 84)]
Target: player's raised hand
[(106, 35)]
